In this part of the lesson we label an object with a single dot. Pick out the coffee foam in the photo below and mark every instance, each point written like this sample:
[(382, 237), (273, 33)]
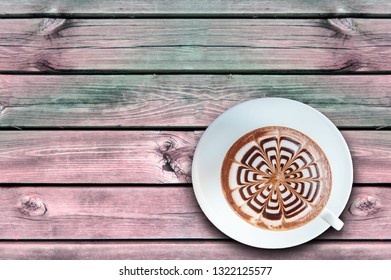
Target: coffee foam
[(276, 178)]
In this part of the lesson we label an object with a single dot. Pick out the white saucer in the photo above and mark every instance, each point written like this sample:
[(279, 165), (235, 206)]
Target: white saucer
[(243, 118)]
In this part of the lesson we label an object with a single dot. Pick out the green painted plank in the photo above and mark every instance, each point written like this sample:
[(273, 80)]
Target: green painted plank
[(182, 100), (153, 45), (192, 7)]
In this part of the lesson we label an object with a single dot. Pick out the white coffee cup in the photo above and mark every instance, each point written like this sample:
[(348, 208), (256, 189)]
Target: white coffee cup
[(246, 117)]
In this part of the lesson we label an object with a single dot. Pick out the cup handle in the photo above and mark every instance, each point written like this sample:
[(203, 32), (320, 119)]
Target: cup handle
[(331, 219)]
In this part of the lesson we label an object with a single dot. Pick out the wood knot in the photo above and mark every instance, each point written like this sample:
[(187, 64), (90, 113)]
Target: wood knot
[(168, 156), (48, 25), (175, 158), (342, 27), (51, 27), (31, 206), (2, 107), (365, 206), (350, 64), (44, 65)]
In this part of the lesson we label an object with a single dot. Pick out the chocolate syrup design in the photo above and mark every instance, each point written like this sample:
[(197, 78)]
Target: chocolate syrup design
[(276, 178)]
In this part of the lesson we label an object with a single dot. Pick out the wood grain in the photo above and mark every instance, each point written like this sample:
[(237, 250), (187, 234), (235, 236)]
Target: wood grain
[(153, 213), (195, 8), (137, 220), (223, 45), (199, 250), (183, 100), (143, 156), (104, 213), (96, 156)]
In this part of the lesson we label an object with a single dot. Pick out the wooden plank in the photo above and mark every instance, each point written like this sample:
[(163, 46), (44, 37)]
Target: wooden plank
[(224, 45), (152, 213), (186, 250), (102, 213), (143, 156), (96, 156), (191, 7), (183, 100)]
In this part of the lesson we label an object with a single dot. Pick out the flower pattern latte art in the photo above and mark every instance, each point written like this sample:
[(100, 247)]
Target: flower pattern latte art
[(276, 178)]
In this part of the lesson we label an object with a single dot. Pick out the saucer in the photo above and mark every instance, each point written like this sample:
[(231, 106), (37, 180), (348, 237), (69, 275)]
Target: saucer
[(246, 117)]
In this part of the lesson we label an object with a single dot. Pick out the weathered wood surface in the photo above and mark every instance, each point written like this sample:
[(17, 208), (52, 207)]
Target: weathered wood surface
[(137, 220), (143, 156), (183, 100), (195, 8), (153, 213), (205, 250), (224, 45)]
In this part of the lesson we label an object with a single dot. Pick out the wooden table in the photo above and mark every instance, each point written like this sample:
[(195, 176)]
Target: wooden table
[(102, 104)]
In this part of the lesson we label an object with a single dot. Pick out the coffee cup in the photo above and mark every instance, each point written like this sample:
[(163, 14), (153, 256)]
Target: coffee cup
[(317, 137), (278, 178)]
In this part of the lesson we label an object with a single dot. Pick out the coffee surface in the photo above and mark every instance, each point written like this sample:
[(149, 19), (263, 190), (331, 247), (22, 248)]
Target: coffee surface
[(276, 178)]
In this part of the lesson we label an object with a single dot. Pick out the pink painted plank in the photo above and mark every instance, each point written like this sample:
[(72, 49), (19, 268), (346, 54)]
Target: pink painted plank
[(191, 250), (96, 156), (152, 213), (366, 215), (102, 213), (343, 44), (189, 7), (370, 150), (143, 156), (182, 100)]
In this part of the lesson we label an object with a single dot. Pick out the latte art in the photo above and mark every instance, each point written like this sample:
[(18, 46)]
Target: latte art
[(276, 178)]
